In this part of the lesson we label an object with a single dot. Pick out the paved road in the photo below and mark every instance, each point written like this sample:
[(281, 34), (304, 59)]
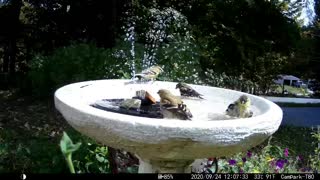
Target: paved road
[(302, 116)]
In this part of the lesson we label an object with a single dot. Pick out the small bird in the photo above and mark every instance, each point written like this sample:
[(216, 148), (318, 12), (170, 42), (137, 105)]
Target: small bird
[(188, 91), (172, 107), (240, 108), (149, 74), (166, 97)]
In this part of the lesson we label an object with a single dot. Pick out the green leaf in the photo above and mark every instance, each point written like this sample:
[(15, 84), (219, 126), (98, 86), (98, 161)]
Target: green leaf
[(67, 146), (87, 165), (100, 158), (65, 141)]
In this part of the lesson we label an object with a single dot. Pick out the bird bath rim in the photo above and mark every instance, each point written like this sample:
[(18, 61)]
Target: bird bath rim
[(270, 110), (164, 145)]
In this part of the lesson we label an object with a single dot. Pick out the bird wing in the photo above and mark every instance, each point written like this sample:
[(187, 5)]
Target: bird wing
[(165, 102), (152, 70), (148, 73), (233, 110), (188, 91), (180, 111)]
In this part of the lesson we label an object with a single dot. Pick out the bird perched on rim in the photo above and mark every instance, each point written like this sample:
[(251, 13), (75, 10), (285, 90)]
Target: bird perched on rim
[(240, 108), (172, 107), (149, 74), (188, 91)]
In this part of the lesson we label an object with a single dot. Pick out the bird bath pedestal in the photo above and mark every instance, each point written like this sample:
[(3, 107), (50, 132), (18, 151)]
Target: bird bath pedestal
[(167, 145)]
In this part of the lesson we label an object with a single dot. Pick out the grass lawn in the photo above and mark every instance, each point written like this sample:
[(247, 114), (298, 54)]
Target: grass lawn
[(291, 90), (297, 139), (30, 132)]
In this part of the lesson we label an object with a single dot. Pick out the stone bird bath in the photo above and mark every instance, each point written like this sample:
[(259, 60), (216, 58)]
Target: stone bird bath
[(167, 145)]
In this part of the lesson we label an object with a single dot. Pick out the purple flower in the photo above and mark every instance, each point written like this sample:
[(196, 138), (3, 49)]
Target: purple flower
[(244, 159), (305, 169), (280, 164), (308, 169), (249, 154), (241, 170), (285, 161), (286, 152), (232, 162)]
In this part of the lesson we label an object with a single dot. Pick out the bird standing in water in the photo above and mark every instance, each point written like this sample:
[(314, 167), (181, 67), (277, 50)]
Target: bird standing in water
[(188, 91), (240, 108), (172, 107)]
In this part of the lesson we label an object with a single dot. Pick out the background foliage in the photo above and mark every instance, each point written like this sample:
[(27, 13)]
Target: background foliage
[(249, 41), (75, 63), (235, 44)]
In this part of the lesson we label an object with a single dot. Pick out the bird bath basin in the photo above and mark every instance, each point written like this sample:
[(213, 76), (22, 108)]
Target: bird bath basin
[(167, 145)]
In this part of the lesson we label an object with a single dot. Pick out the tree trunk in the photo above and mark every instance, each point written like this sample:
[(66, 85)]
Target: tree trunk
[(114, 16), (15, 29), (12, 56), (5, 66)]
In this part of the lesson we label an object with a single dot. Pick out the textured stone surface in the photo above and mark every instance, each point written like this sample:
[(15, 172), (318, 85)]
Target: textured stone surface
[(209, 134)]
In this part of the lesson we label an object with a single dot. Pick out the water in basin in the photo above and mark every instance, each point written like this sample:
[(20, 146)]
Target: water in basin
[(211, 108)]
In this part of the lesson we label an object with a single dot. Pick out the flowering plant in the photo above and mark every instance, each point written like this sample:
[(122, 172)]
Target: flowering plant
[(270, 159)]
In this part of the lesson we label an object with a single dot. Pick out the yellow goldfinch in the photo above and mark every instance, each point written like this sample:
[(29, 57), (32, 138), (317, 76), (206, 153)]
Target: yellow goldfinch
[(188, 91), (240, 108), (150, 74), (172, 107)]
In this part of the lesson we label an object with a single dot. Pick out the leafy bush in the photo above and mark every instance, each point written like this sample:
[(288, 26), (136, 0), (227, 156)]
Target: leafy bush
[(95, 160), (37, 155), (162, 36), (231, 82), (78, 62), (315, 157), (90, 158), (181, 61), (271, 159)]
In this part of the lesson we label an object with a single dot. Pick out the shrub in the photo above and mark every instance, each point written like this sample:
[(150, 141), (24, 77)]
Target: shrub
[(271, 159), (90, 158), (162, 36), (315, 157), (78, 62)]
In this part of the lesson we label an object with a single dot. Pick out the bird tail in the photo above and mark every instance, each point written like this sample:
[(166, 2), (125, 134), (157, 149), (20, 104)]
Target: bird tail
[(141, 77)]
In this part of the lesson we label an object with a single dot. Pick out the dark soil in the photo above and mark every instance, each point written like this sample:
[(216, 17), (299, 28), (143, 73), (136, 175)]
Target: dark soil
[(30, 132)]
